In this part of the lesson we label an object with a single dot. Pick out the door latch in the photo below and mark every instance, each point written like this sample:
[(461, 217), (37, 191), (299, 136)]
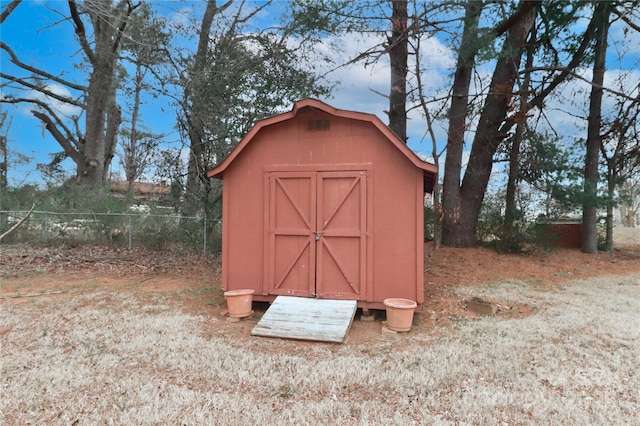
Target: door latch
[(318, 235)]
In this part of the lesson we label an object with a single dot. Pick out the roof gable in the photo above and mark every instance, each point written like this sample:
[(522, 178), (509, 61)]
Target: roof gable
[(428, 168)]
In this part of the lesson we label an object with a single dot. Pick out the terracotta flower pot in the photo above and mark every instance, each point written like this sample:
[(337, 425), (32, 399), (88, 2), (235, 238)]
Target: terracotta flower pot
[(399, 313), (239, 302)]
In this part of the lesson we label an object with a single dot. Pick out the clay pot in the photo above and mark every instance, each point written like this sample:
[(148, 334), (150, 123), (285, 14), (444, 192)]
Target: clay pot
[(239, 302), (399, 313)]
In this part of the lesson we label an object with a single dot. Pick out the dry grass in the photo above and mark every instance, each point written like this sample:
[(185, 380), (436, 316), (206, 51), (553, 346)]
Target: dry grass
[(114, 358), (626, 238)]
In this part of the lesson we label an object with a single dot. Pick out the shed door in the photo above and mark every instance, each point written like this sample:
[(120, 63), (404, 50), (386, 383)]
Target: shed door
[(317, 234)]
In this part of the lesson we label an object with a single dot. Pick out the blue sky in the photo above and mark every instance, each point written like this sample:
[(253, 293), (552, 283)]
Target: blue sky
[(31, 33)]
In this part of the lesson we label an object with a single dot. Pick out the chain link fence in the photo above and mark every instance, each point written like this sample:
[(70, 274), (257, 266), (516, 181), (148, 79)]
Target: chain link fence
[(127, 230)]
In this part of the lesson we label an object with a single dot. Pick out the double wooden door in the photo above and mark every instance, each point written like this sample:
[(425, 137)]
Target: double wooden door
[(317, 233)]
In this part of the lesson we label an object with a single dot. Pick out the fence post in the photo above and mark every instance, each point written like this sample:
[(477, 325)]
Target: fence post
[(204, 233), (129, 219), (45, 227)]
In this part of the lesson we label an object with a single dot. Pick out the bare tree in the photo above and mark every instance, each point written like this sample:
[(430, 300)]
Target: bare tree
[(195, 118), (620, 150), (145, 48), (630, 201), (92, 147)]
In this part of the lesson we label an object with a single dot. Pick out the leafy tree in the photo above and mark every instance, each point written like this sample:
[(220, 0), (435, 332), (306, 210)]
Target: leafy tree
[(508, 238), (236, 76), (548, 167)]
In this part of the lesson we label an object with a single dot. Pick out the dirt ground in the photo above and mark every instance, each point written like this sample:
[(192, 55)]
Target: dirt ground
[(193, 282)]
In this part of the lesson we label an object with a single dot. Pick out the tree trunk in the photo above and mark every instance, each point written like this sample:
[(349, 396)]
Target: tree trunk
[(398, 53), (611, 187), (92, 171), (594, 139), (457, 125), (114, 119), (488, 136), (102, 114), (131, 155), (194, 124), (508, 242), (508, 229)]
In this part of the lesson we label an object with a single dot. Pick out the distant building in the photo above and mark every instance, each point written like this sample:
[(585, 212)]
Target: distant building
[(142, 190)]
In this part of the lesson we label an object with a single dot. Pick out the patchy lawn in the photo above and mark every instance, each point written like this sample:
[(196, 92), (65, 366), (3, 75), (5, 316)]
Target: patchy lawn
[(92, 336)]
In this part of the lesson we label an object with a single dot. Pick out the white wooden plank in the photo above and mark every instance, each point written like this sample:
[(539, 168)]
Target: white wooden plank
[(307, 319)]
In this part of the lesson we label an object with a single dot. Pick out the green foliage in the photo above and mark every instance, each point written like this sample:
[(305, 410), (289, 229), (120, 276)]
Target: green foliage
[(53, 173), (491, 222), (250, 75), (489, 229), (551, 169), (601, 229), (71, 216), (71, 197), (20, 198), (543, 239), (429, 223)]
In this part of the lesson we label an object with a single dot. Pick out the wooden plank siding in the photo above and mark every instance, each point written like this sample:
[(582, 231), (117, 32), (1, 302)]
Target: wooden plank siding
[(323, 320)]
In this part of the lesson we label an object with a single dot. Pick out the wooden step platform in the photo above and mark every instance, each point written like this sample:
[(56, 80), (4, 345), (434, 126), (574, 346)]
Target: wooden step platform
[(323, 320)]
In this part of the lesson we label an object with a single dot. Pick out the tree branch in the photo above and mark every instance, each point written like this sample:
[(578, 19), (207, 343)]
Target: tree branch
[(58, 136), (567, 71), (80, 31), (625, 18), (523, 8), (558, 79), (48, 109), (42, 90), (20, 222), (7, 11), (16, 61), (573, 63), (123, 25)]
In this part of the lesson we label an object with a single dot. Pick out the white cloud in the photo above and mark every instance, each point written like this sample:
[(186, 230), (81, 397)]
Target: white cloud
[(358, 83), (623, 39), (60, 108), (364, 88), (181, 17)]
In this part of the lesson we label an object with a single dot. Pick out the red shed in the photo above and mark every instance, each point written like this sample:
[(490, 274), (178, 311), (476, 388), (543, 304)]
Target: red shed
[(327, 203)]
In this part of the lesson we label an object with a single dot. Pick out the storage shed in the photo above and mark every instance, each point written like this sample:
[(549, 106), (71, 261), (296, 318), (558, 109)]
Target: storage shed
[(326, 203)]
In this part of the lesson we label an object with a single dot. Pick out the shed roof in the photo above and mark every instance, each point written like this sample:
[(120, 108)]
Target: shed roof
[(428, 168)]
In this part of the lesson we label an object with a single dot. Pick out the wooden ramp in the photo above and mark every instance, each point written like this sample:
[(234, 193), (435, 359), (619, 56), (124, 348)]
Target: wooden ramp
[(323, 320)]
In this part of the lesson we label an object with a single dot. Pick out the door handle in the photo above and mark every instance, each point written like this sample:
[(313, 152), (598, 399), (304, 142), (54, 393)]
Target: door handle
[(318, 235)]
